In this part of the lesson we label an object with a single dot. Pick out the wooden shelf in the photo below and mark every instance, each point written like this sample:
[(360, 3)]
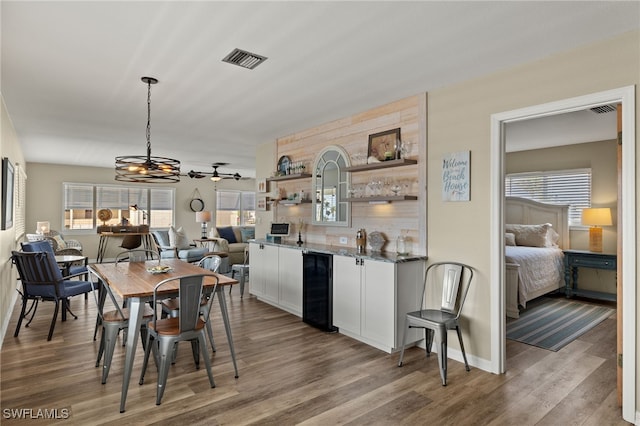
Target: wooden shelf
[(381, 165), (293, 202), (289, 177), (381, 198)]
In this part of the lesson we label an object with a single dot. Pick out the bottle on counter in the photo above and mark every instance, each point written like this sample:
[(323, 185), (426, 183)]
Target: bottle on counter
[(361, 240)]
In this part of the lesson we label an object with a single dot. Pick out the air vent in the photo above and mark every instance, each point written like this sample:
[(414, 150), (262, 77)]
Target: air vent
[(603, 109), (244, 59)]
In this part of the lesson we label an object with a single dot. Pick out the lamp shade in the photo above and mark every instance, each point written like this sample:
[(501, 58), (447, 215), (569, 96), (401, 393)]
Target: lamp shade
[(597, 217), (203, 216), (42, 227)]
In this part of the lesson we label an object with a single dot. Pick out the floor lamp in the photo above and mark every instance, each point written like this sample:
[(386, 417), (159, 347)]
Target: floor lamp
[(596, 218)]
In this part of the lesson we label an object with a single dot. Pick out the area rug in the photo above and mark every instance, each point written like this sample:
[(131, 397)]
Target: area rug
[(552, 323)]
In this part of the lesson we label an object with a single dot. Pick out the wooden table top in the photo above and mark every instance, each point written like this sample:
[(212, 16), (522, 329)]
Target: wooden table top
[(131, 279)]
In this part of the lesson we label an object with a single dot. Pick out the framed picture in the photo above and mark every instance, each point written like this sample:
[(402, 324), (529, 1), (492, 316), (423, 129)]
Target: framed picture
[(382, 146), (7, 194), (261, 203), (262, 184), (456, 183)]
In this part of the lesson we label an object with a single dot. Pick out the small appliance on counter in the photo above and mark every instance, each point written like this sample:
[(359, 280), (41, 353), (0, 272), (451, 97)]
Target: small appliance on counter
[(278, 230), (361, 240)]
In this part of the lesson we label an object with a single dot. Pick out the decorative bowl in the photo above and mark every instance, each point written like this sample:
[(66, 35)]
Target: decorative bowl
[(159, 269)]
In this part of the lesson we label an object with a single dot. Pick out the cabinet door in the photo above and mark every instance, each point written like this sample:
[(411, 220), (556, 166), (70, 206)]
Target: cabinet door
[(378, 302), (256, 260), (290, 270), (270, 270), (346, 294)]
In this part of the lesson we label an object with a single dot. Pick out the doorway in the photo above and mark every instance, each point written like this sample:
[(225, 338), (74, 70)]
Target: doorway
[(625, 96)]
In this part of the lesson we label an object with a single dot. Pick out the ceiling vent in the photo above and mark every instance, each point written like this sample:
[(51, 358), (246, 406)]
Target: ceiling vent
[(244, 59), (603, 109)]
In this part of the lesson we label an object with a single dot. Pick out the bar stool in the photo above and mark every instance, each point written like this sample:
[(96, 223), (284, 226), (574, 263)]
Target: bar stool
[(243, 270)]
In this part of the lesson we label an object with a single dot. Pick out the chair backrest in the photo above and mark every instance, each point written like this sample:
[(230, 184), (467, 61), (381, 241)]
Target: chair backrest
[(38, 272), (131, 242), (246, 255), (137, 255), (446, 285), (211, 262), (190, 295), (107, 290), (36, 246)]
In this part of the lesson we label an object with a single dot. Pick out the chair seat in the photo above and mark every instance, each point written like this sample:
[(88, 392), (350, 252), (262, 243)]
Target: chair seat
[(171, 326), (172, 304), (114, 316), (433, 316)]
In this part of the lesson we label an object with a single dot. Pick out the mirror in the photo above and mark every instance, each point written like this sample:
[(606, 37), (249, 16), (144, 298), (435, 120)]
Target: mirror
[(330, 183)]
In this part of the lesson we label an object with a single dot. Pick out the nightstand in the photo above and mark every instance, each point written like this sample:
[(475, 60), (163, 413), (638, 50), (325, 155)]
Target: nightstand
[(574, 259)]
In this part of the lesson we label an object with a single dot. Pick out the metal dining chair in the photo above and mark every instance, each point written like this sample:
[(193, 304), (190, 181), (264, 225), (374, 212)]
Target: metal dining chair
[(243, 270), (446, 285), (164, 334)]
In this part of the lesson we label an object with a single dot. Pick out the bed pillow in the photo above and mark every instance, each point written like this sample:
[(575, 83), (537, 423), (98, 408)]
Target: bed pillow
[(228, 234), (552, 237), (529, 235), (509, 239), (178, 239)]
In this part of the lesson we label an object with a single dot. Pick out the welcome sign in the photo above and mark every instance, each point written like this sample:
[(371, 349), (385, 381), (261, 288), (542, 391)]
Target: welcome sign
[(455, 176)]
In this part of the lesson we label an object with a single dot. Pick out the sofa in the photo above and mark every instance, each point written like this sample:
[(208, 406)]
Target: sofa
[(232, 240), (173, 243)]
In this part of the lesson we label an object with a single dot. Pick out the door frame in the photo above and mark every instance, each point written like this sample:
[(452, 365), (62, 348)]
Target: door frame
[(625, 96)]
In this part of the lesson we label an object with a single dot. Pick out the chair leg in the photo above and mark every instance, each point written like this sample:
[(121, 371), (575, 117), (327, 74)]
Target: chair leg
[(195, 349), (100, 349), (441, 342), (53, 320), (404, 337), (166, 348), (111, 334), (22, 315), (464, 355), (146, 357), (207, 361), (428, 335), (34, 308), (210, 334)]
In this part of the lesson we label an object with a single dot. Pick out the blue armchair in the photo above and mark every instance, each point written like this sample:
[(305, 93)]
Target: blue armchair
[(182, 251)]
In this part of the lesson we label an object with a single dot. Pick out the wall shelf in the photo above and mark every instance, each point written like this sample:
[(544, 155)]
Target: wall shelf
[(289, 177), (381, 198), (293, 202), (381, 165)]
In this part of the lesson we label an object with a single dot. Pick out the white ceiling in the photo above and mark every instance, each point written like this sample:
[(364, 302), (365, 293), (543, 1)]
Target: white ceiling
[(71, 70)]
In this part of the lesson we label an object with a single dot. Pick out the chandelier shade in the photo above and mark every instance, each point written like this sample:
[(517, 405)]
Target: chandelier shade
[(147, 168)]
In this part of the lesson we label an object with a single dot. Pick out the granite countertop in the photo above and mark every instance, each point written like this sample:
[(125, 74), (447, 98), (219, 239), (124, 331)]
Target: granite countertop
[(343, 251)]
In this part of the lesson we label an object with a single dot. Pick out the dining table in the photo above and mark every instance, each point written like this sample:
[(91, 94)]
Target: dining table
[(134, 283)]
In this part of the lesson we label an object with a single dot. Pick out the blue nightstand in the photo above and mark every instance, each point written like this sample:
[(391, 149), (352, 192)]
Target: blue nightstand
[(574, 259)]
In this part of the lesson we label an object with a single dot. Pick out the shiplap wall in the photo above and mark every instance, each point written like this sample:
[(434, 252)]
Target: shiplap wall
[(352, 133)]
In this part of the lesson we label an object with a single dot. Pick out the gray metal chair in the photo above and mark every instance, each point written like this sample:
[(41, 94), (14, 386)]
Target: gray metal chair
[(164, 334), (137, 255), (445, 289), (171, 306), (112, 322), (243, 270)]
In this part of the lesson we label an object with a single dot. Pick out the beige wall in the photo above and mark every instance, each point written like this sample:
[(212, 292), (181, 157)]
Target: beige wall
[(10, 148), (601, 157), (459, 119), (44, 199)]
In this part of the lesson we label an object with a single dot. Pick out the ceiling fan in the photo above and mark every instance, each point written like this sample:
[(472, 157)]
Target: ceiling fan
[(216, 176)]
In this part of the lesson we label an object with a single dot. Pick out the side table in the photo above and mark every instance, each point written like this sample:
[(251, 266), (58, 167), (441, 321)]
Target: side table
[(574, 259)]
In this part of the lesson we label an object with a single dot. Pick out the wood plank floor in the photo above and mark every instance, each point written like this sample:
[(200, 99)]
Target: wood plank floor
[(291, 373)]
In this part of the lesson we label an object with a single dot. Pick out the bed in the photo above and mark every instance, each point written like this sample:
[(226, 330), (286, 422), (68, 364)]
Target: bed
[(534, 262)]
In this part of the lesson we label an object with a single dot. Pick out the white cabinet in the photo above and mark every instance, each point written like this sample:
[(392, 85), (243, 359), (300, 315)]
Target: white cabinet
[(276, 276), (263, 261), (290, 280), (371, 298)]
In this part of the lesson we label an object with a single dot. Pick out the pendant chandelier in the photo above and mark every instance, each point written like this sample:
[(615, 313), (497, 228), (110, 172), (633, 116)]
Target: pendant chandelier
[(146, 168)]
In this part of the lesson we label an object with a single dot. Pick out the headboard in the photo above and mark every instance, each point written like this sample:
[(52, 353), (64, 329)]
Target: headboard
[(529, 212)]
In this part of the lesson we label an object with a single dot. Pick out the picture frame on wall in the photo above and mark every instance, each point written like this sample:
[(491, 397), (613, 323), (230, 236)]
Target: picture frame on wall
[(261, 203), (7, 194), (456, 179), (382, 145), (262, 185)]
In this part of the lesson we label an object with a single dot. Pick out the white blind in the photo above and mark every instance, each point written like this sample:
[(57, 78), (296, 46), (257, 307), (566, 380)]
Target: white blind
[(161, 199), (78, 196), (563, 187), (228, 200)]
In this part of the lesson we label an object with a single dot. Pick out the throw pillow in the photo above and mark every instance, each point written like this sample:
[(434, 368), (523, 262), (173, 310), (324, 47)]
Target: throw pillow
[(227, 234), (509, 239), (60, 242), (529, 235), (247, 234), (177, 238)]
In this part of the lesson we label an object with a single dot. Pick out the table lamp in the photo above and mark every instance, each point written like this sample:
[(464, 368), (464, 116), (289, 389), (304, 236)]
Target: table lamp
[(596, 218), (203, 217), (42, 228)]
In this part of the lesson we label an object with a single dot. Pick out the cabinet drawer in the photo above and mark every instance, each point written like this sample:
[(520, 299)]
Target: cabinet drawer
[(592, 262)]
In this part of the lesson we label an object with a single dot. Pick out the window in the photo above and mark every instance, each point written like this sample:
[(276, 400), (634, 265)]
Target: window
[(127, 205), (566, 187), (235, 208)]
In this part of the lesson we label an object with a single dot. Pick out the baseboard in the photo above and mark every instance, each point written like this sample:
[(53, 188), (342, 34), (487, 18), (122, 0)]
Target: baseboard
[(7, 318)]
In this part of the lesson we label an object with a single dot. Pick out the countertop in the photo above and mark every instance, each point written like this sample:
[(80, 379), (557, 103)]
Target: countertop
[(343, 251)]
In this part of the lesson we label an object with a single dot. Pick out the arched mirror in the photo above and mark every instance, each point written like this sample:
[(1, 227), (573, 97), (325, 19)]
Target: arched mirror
[(330, 183)]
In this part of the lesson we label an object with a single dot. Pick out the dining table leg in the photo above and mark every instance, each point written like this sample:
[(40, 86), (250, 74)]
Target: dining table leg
[(136, 310), (222, 300)]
